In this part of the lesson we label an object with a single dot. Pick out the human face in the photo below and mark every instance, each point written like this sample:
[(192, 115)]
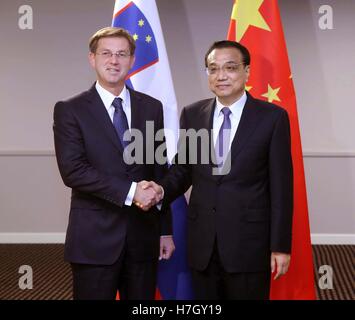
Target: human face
[(227, 83), (111, 71)]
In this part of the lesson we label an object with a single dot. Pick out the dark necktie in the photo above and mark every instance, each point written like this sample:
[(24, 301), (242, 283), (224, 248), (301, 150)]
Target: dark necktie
[(120, 121), (223, 138)]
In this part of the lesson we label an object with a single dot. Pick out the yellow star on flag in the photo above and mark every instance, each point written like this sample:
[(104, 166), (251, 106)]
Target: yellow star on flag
[(246, 13), (148, 38), (248, 88), (271, 94), (135, 37), (141, 22)]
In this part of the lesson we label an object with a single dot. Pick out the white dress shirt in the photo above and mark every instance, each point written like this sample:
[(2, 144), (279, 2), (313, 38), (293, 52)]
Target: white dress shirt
[(236, 112)]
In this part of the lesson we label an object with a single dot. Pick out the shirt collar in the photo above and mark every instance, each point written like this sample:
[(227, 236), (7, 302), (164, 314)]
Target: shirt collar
[(237, 105), (107, 97)]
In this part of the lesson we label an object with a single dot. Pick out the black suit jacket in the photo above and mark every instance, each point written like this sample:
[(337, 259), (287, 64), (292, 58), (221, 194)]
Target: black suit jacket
[(248, 210), (90, 161)]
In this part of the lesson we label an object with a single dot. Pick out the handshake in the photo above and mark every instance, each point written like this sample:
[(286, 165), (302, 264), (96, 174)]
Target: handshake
[(148, 194)]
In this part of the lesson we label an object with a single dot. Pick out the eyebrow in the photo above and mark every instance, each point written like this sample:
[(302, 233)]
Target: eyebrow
[(214, 63), (121, 50)]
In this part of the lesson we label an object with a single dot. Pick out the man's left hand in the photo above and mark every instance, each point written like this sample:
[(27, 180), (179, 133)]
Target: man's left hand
[(167, 247), (279, 263)]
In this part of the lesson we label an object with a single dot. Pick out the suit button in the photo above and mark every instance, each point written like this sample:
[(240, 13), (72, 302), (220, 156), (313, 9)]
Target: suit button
[(214, 210), (218, 183)]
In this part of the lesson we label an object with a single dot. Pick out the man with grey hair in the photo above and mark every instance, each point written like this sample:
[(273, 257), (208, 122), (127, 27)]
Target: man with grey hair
[(240, 211)]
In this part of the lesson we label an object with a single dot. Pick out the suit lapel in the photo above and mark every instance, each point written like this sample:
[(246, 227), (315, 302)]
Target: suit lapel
[(206, 118), (99, 112), (246, 127), (137, 112), (207, 114), (211, 110), (138, 118)]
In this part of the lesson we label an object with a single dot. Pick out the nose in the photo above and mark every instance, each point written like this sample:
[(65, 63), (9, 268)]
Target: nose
[(114, 59), (221, 74)]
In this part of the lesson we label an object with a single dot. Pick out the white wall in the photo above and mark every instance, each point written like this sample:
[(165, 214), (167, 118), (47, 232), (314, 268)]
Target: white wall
[(40, 66)]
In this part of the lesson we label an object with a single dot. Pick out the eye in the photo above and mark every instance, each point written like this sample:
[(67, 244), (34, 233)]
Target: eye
[(122, 54), (105, 54), (212, 69), (231, 68)]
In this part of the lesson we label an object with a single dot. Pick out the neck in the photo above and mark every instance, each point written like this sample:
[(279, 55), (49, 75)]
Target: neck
[(228, 101), (114, 89)]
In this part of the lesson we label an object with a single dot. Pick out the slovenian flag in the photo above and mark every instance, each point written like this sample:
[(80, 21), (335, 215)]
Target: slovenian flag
[(151, 75)]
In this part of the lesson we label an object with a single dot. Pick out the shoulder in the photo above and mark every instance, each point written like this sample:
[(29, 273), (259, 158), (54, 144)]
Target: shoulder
[(74, 100), (73, 106), (266, 109), (265, 105), (198, 105), (144, 97)]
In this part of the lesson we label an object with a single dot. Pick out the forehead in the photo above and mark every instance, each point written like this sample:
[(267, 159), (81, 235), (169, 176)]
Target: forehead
[(114, 43), (222, 55)]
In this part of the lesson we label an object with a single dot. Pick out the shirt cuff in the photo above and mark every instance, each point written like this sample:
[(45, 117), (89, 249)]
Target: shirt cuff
[(130, 194)]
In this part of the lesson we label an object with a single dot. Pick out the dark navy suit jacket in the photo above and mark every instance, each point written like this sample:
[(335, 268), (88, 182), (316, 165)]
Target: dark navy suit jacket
[(90, 161), (249, 210)]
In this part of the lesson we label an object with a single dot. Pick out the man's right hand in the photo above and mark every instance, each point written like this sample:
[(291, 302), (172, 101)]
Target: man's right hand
[(147, 194)]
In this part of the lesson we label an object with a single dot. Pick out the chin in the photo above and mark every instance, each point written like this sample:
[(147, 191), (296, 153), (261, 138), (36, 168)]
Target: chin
[(223, 94), (114, 81)]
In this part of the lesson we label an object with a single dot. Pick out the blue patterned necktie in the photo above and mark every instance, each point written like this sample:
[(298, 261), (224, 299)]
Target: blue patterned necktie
[(120, 121), (222, 145)]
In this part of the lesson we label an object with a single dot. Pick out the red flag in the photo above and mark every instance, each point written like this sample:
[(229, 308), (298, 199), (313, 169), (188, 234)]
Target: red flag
[(257, 25)]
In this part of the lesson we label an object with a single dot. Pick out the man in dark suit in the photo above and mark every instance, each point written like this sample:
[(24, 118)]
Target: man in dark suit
[(240, 211), (111, 244)]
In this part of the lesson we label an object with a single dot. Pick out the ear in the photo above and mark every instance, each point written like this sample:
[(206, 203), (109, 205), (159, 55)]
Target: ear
[(133, 59), (91, 58), (247, 73)]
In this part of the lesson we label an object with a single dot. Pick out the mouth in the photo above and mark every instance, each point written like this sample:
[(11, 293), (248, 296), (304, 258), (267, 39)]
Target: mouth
[(223, 86), (113, 71)]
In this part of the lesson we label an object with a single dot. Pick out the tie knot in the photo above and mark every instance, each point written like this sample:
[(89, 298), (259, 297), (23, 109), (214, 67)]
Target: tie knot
[(226, 111), (117, 103)]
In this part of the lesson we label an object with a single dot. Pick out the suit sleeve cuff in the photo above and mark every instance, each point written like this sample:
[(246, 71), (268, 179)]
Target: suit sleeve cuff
[(159, 205)]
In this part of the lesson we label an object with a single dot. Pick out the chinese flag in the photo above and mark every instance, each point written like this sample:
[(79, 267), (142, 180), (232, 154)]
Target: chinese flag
[(257, 25)]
